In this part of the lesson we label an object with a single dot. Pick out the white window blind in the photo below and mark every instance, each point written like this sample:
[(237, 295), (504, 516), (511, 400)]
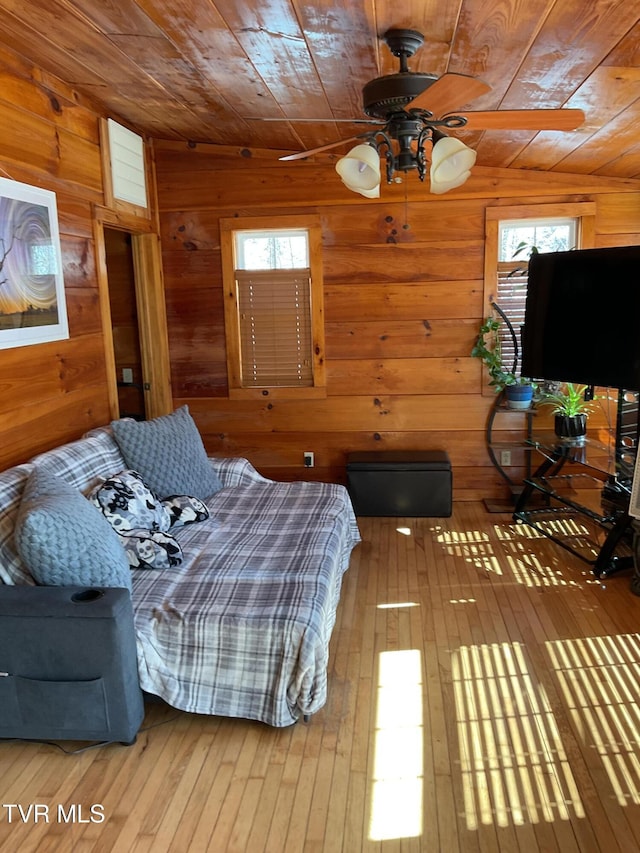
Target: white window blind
[(511, 297), (274, 315), (128, 175)]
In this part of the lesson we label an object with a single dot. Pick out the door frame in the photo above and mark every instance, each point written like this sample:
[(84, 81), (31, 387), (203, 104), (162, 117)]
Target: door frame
[(151, 307)]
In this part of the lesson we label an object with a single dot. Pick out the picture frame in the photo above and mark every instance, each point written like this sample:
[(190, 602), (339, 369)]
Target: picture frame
[(33, 308)]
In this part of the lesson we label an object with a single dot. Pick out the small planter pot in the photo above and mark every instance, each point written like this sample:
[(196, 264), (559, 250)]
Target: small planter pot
[(519, 396), (571, 427)]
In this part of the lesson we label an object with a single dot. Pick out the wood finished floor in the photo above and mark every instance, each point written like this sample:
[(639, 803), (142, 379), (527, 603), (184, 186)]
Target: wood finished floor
[(484, 695)]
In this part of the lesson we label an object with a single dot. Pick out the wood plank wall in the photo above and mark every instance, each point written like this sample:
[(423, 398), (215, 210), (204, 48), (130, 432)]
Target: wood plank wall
[(49, 138), (402, 306)]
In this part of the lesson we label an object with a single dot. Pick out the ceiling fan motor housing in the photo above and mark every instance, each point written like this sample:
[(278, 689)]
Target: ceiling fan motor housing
[(391, 93), (388, 94)]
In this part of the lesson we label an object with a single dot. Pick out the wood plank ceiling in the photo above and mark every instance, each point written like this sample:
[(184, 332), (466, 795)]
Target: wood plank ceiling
[(203, 70)]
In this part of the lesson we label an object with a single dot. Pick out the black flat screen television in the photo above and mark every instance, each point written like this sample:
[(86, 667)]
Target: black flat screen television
[(582, 317)]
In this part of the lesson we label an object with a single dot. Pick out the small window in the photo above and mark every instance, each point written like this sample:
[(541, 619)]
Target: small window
[(511, 233), (517, 240), (285, 249), (518, 237), (127, 164), (273, 310)]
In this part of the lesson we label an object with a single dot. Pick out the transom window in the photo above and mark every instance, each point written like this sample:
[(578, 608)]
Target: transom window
[(518, 237), (283, 249)]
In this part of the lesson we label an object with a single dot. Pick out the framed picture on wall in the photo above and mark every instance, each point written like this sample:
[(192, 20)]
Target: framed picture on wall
[(32, 301)]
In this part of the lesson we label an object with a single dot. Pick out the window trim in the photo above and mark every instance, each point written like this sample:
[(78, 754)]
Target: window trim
[(312, 224), (583, 211)]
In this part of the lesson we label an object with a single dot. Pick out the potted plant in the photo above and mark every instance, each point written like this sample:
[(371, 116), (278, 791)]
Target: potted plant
[(569, 407), (518, 390)]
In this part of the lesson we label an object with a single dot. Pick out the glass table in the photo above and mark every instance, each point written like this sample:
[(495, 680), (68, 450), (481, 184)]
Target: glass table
[(575, 499)]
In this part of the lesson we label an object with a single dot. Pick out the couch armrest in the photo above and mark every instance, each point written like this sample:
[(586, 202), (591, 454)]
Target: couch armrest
[(236, 471)]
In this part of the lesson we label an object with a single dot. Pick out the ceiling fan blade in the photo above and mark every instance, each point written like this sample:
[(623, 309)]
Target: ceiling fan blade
[(320, 120), (449, 93), (302, 154), (524, 120)]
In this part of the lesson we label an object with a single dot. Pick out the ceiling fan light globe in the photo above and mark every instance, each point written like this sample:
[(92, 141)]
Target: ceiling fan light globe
[(360, 168), (374, 193), (439, 187), (450, 159)]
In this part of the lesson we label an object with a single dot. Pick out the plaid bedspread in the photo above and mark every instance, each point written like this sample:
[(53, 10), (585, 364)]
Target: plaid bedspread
[(242, 627)]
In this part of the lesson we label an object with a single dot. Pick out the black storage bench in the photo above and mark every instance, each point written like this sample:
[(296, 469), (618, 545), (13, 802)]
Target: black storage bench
[(413, 483)]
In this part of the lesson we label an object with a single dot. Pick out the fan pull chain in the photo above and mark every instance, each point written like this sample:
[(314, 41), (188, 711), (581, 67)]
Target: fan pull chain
[(406, 225)]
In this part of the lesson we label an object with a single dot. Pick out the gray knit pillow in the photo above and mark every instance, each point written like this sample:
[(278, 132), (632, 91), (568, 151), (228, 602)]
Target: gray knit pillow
[(169, 454), (64, 539)]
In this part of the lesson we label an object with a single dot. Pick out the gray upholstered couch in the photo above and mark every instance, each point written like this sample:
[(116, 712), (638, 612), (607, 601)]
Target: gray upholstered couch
[(240, 624)]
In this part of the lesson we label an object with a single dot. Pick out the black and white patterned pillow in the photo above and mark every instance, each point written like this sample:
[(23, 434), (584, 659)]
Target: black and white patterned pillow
[(151, 549), (128, 503), (184, 509)]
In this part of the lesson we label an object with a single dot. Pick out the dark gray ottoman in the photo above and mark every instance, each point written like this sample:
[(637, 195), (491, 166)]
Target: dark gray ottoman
[(412, 483), (68, 667)]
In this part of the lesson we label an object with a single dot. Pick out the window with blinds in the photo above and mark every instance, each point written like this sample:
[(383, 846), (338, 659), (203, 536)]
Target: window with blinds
[(272, 274), (274, 315), (517, 240), (511, 297)]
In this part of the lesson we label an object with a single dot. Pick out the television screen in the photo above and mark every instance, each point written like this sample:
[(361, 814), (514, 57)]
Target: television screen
[(582, 317)]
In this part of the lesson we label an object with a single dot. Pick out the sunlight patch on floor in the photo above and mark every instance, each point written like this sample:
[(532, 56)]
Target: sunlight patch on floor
[(397, 790), (529, 570), (527, 563), (599, 679), (512, 759), (471, 545), (530, 566)]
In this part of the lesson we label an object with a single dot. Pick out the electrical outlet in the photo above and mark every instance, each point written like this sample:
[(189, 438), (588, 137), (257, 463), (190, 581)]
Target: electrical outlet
[(505, 458), (309, 459)]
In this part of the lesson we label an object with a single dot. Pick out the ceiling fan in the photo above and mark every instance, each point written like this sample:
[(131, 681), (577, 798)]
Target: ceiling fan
[(408, 108)]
